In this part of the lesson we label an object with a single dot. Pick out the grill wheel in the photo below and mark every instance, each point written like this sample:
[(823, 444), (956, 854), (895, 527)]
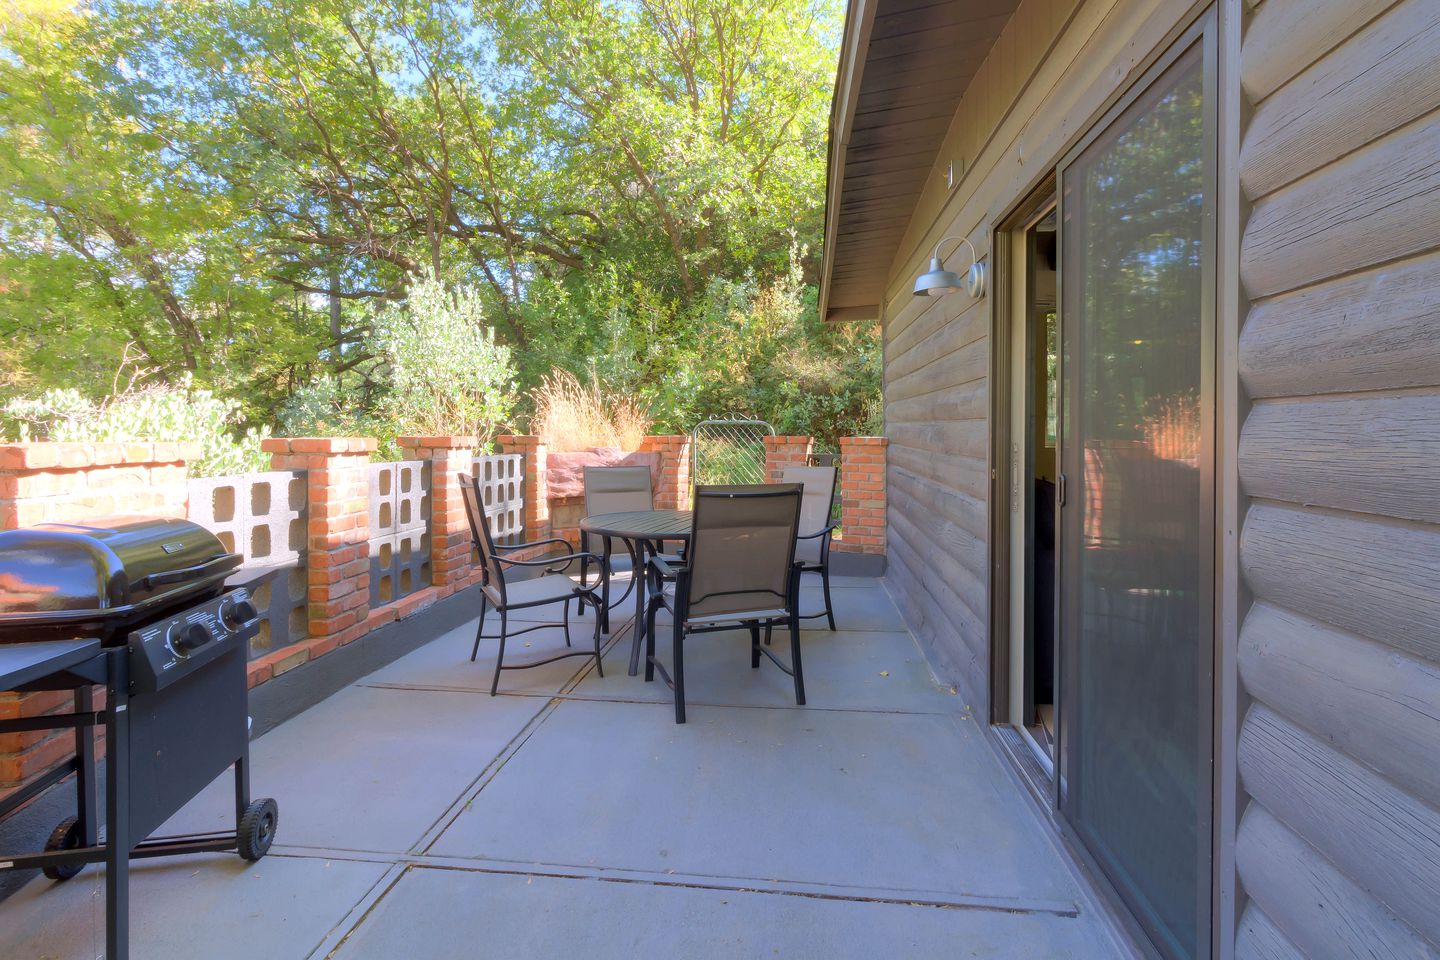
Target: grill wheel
[(65, 836), (257, 828)]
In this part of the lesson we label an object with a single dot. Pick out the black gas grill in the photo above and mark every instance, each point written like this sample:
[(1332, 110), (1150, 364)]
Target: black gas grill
[(139, 605)]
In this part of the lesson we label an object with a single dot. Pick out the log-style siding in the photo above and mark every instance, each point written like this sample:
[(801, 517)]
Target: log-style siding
[(1336, 180), (1259, 939), (1338, 849), (1055, 64)]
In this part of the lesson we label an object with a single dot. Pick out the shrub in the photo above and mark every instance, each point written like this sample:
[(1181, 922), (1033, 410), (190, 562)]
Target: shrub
[(570, 415), (330, 407), (764, 352), (168, 413), (446, 373)]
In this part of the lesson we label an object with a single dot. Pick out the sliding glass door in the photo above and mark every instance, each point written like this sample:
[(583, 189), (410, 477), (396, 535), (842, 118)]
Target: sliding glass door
[(1137, 249)]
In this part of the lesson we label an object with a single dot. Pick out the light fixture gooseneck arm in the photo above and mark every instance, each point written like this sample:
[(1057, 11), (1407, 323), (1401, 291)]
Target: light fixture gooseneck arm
[(937, 281), (974, 254)]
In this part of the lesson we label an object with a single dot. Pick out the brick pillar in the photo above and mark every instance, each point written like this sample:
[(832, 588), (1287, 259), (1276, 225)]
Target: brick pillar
[(449, 528), (862, 495), (537, 497), (42, 482), (337, 563), (782, 452), (673, 493)]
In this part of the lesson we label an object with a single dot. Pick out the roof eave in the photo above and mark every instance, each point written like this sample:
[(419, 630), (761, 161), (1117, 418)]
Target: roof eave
[(859, 19)]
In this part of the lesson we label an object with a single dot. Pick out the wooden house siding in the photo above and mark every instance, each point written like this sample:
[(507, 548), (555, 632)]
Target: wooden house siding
[(1328, 814), (1338, 847), (1054, 67)]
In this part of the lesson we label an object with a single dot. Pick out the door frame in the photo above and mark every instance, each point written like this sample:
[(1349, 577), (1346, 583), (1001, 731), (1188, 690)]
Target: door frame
[(1214, 23), (1035, 206)]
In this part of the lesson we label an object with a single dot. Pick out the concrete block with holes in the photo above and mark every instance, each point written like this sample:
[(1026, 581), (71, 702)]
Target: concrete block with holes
[(399, 511)]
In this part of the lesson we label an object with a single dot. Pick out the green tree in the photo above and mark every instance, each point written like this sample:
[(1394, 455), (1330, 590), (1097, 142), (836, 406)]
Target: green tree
[(238, 187)]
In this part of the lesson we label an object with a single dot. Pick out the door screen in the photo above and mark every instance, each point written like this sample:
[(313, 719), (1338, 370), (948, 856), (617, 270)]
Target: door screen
[(1136, 244)]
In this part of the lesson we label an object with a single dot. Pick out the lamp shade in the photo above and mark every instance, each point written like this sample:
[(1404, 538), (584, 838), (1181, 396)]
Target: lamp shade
[(937, 281)]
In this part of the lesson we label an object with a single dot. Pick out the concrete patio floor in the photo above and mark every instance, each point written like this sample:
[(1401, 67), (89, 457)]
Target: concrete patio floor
[(570, 817)]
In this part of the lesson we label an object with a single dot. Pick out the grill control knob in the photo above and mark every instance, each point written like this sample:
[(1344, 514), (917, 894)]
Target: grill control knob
[(189, 638), (239, 613)]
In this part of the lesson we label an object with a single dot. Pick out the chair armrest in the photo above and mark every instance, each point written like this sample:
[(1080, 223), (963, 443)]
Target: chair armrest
[(818, 533), (563, 561), (661, 565), (532, 543)]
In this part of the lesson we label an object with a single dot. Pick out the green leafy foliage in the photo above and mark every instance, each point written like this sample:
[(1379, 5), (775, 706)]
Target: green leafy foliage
[(165, 413), (243, 192), (446, 372)]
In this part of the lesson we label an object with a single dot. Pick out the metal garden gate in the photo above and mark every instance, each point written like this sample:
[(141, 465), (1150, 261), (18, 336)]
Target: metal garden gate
[(729, 451)]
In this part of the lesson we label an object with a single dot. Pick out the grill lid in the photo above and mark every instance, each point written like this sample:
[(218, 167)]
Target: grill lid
[(104, 570)]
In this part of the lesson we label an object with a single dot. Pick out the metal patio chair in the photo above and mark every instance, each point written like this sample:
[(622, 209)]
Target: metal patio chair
[(552, 586), (812, 547), (613, 490), (740, 570)]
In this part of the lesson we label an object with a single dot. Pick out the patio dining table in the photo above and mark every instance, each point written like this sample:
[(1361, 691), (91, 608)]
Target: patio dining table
[(642, 531)]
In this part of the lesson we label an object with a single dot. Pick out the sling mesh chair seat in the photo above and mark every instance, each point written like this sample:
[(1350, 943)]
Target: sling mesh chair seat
[(740, 570), (812, 546), (551, 587)]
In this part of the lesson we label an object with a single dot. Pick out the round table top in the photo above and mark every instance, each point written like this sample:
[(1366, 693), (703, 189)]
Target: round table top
[(640, 525)]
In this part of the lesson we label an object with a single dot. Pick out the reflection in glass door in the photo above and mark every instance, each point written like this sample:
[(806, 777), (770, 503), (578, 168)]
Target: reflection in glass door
[(1137, 243)]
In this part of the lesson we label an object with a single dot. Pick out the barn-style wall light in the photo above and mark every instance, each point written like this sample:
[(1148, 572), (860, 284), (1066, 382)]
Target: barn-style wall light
[(938, 281)]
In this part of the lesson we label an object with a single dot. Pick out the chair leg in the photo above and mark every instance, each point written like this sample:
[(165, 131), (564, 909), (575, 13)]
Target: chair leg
[(755, 644), (584, 578), (603, 611), (500, 654), (679, 666), (566, 617), (484, 605), (599, 662), (768, 628), (825, 585), (795, 658), (650, 640)]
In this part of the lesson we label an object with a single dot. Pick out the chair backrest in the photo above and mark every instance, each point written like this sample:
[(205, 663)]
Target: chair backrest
[(742, 547), (815, 507), (493, 582), (617, 490)]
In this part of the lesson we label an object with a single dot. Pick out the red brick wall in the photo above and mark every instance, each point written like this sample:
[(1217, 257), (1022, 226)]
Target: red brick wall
[(537, 503), (786, 451), (70, 481), (862, 495), (449, 529), (337, 562), (41, 482), (673, 492)]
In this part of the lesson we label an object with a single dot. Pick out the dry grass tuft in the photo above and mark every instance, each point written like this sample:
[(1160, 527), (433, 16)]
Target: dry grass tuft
[(571, 415)]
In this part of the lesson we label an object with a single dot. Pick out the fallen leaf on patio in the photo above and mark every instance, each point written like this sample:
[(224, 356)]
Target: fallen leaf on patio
[(884, 673)]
